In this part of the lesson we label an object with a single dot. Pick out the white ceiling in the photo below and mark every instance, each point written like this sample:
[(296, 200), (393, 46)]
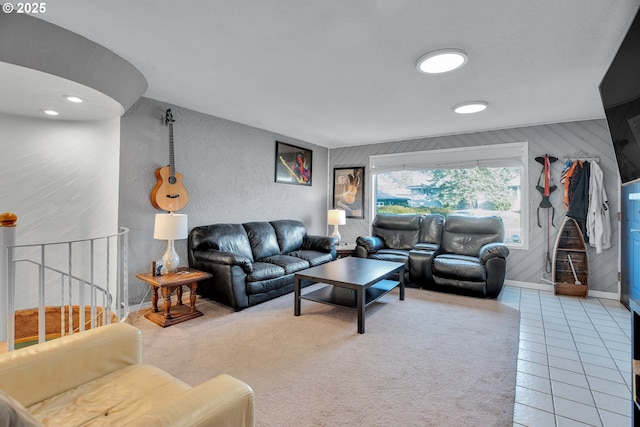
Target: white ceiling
[(339, 73)]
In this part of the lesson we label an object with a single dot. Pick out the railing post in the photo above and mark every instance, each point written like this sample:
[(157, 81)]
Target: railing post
[(7, 238)]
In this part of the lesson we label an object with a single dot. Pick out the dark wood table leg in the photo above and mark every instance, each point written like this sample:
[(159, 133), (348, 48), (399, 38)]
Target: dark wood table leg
[(402, 285), (360, 294), (179, 295), (166, 294), (192, 296), (154, 299), (296, 296)]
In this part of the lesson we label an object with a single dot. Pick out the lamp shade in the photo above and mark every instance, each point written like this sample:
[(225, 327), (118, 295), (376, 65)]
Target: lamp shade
[(336, 217), (170, 227)]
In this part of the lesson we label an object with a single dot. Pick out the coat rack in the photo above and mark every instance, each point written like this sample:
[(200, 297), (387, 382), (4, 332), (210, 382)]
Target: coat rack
[(581, 156)]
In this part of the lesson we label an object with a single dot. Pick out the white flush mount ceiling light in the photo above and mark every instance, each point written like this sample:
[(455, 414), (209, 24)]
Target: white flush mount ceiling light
[(50, 112), (470, 107), (73, 99), (442, 61)]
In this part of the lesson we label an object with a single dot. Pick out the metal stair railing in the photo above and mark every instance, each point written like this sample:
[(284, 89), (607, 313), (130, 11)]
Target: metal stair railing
[(102, 286)]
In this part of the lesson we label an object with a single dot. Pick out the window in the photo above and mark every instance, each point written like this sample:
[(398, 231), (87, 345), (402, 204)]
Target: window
[(475, 181)]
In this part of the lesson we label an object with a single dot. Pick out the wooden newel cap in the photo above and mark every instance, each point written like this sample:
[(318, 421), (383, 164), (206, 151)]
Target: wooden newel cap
[(8, 219)]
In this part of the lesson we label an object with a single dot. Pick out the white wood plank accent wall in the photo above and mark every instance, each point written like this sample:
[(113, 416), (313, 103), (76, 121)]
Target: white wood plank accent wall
[(589, 137)]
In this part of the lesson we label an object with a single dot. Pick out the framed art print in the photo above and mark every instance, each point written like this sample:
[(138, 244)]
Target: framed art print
[(293, 164), (348, 191)]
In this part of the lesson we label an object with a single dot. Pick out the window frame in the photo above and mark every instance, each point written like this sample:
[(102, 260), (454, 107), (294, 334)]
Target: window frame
[(494, 155)]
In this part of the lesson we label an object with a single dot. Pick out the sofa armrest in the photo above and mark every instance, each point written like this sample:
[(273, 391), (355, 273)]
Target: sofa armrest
[(224, 258), (33, 374), (371, 244), (492, 250), (319, 243), (430, 247), (223, 401)]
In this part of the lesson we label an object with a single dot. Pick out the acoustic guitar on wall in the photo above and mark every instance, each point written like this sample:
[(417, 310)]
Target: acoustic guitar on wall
[(169, 193)]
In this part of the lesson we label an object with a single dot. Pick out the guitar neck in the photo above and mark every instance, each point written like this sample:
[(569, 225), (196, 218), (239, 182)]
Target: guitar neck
[(172, 170)]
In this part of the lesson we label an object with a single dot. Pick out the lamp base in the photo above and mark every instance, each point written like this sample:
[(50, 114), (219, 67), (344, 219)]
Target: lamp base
[(336, 233), (170, 258)]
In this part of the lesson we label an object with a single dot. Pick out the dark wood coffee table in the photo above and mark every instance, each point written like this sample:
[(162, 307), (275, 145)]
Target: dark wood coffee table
[(352, 282)]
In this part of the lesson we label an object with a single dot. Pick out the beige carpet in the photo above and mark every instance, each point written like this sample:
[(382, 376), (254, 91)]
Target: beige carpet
[(434, 359)]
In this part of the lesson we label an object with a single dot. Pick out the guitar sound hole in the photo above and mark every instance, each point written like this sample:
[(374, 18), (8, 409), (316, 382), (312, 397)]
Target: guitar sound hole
[(172, 180)]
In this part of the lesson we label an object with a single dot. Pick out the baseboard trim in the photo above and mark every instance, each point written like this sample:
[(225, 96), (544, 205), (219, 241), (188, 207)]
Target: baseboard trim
[(549, 288)]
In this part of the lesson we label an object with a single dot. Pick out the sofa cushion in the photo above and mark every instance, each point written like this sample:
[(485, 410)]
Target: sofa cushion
[(395, 255), (13, 414), (264, 271), (115, 399), (290, 264), (397, 231), (290, 234), (431, 229), (460, 267), (314, 258), (223, 237), (276, 285), (466, 235), (262, 238)]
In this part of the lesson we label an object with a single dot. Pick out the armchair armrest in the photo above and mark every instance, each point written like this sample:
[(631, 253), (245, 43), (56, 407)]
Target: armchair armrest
[(493, 250), (224, 258), (319, 243), (371, 244), (222, 401), (65, 363)]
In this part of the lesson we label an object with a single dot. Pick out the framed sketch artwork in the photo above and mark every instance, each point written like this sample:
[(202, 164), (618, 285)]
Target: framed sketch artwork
[(293, 164), (348, 191)]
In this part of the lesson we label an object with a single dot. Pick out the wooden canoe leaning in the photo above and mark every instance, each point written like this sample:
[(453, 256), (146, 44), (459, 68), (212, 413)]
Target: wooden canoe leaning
[(570, 261)]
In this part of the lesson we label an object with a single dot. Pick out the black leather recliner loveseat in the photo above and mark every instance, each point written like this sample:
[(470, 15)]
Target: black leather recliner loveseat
[(255, 261), (459, 252)]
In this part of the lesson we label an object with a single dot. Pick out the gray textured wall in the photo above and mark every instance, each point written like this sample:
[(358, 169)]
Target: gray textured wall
[(563, 139), (228, 172), (61, 179)]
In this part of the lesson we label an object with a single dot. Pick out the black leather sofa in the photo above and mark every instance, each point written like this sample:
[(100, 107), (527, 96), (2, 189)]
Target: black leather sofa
[(459, 252), (255, 261)]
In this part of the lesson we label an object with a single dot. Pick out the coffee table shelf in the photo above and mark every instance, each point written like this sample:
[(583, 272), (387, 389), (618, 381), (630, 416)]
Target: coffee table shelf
[(343, 297), (351, 282)]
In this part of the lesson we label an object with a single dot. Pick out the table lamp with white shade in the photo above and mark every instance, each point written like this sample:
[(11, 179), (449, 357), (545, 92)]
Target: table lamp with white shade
[(336, 217), (170, 227)]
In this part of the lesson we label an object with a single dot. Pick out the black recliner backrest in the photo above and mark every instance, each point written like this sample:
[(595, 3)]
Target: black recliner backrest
[(431, 228), (397, 231), (465, 235)]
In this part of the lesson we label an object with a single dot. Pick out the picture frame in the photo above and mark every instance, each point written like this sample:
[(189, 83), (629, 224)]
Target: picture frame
[(348, 191), (293, 164)]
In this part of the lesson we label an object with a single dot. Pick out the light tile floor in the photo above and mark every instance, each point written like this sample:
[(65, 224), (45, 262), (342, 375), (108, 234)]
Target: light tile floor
[(574, 362)]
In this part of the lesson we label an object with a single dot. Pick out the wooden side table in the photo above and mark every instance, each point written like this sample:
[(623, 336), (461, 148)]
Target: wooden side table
[(167, 284), (345, 250)]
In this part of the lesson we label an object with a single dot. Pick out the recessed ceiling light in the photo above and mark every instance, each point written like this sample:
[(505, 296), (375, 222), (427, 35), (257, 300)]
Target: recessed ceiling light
[(441, 61), (50, 112), (470, 107), (73, 99)]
